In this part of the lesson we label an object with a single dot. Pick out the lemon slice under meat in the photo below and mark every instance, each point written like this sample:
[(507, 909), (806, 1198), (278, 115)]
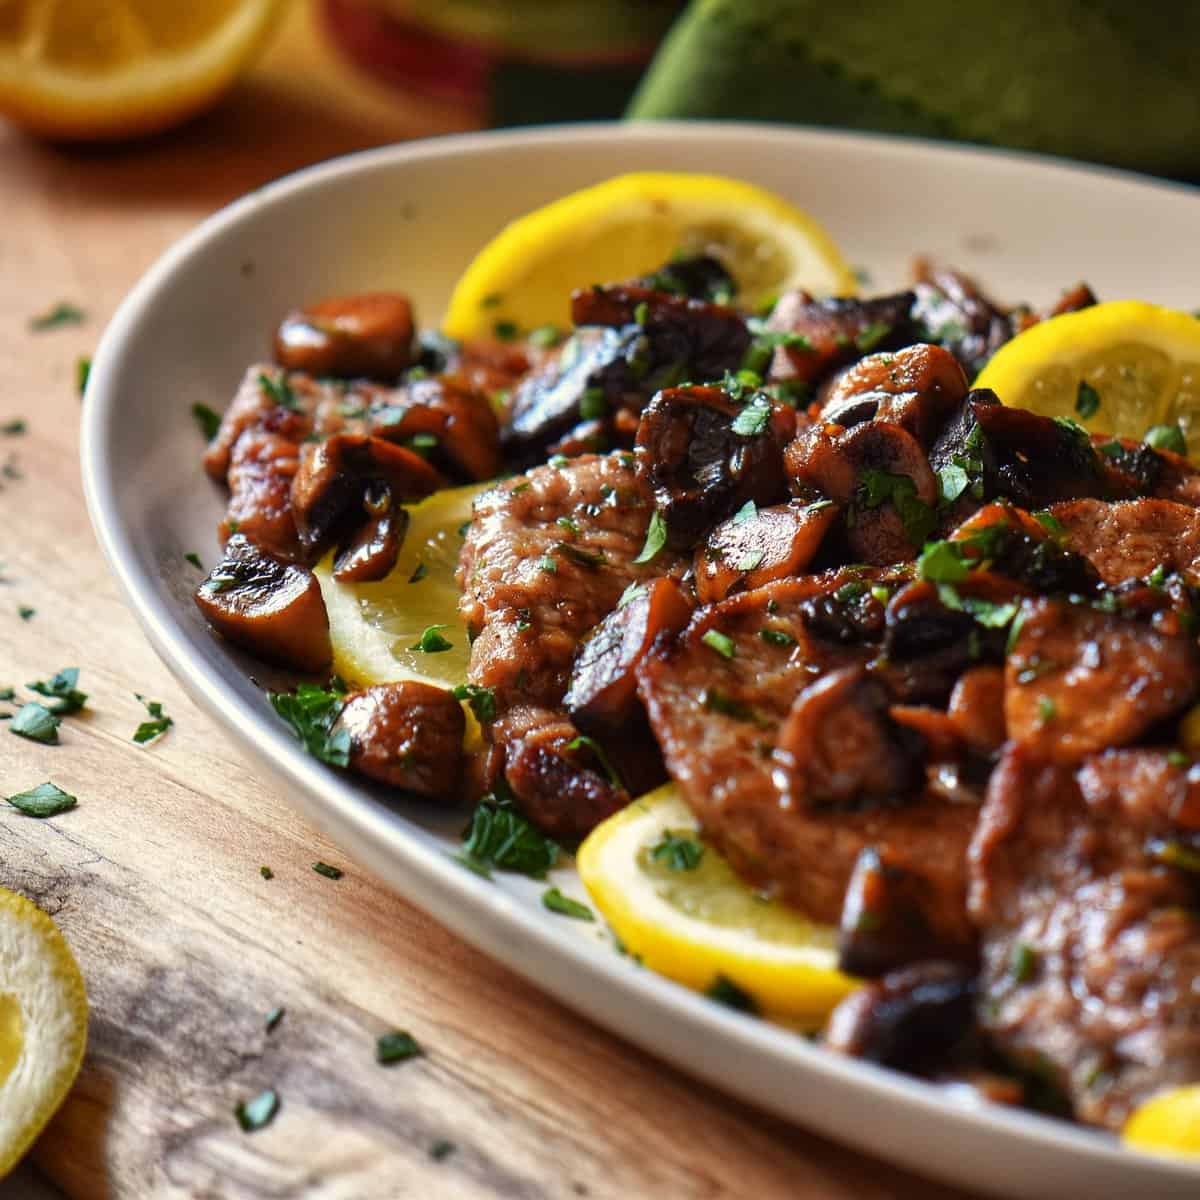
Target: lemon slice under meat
[(43, 1023), (1139, 364), (1168, 1123), (700, 924), (630, 225), (118, 68)]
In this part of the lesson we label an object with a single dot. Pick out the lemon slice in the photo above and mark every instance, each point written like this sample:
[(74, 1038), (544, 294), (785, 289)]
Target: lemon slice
[(375, 628), (43, 1023), (1141, 361), (702, 924), (630, 225), (1168, 1123), (117, 68)]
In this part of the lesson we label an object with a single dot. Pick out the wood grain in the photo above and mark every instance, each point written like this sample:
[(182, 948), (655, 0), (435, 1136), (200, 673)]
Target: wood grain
[(155, 878)]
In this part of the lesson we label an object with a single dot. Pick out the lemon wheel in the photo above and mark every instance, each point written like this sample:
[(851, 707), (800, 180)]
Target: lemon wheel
[(81, 69), (1120, 368), (43, 1023), (633, 224), (679, 907), (1168, 1123)]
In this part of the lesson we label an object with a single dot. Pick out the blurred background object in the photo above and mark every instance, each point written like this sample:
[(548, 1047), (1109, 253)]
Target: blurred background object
[(1092, 79)]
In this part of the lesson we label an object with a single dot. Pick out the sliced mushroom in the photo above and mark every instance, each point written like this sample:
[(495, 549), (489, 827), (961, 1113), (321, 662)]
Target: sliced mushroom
[(369, 334), (750, 550), (977, 709), (262, 470), (914, 1018), (700, 277), (348, 481), (886, 919), (953, 311), (704, 455), (602, 697), (270, 608), (917, 388), (839, 746), (406, 734)]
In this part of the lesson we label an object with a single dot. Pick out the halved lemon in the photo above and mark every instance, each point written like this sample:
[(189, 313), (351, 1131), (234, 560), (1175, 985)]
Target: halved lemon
[(81, 69), (700, 924), (633, 224), (1120, 368), (1168, 1123), (43, 1023), (376, 628)]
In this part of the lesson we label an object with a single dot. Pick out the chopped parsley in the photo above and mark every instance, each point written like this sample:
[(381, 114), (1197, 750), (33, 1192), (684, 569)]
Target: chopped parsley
[(942, 562), (500, 837), (1047, 709), (266, 872), (762, 349), (776, 637), (505, 331), (1087, 400), (585, 558), (482, 701), (872, 335), (25, 612), (751, 560), (1050, 523), (717, 701), (13, 428), (1177, 758), (747, 512), (431, 641), (311, 712), (207, 419), (915, 515), (441, 1149), (1166, 437), (752, 420), (569, 525), (635, 591), (397, 1046), (656, 538), (548, 565), (555, 901), (583, 741), (953, 480), (156, 726), (45, 800), (544, 336), (35, 722), (83, 371), (258, 1112), (63, 313), (641, 311), (273, 1018), (1023, 963), (61, 688), (724, 645), (592, 404), (677, 853), (1174, 854), (278, 390), (323, 868), (192, 557), (724, 991)]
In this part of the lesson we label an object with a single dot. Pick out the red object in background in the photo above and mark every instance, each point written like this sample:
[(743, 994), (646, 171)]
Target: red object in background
[(519, 74)]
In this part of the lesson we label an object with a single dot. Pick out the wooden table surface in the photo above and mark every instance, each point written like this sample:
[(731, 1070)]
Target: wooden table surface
[(154, 878)]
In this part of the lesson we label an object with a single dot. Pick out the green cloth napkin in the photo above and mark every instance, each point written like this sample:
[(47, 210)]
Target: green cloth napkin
[(1108, 80)]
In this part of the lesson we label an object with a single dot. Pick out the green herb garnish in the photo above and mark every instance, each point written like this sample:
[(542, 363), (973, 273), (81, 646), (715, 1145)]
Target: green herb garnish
[(717, 701), (397, 1046), (752, 420), (656, 538), (725, 991), (311, 712), (593, 404), (208, 420), (266, 872), (278, 390), (273, 1019), (776, 637), (1047, 709), (35, 722), (45, 800), (676, 852), (158, 724), (83, 371), (1023, 963), (724, 645), (256, 1113), (61, 688), (870, 337), (915, 515), (1087, 400), (505, 331), (582, 741), (555, 901), (13, 428), (63, 313), (25, 612), (481, 700), (500, 837), (747, 512), (641, 311), (323, 868), (1166, 437), (544, 336), (431, 641)]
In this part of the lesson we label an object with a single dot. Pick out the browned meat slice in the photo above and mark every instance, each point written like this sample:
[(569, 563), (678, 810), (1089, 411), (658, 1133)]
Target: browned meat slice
[(1129, 540), (546, 558), (917, 388), (832, 333), (270, 608), (914, 1018), (955, 312), (720, 701), (758, 546), (1090, 937), (632, 341), (348, 491), (703, 455), (561, 781), (255, 406), (369, 334), (406, 734), (1079, 680), (879, 472), (261, 469)]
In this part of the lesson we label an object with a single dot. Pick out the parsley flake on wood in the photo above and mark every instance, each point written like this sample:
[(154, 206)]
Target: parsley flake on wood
[(722, 643), (35, 722), (258, 1112), (724, 991), (1087, 400), (13, 428), (500, 837), (440, 1150), (482, 701), (432, 642), (397, 1046), (207, 419), (323, 868), (158, 724), (266, 872), (555, 901), (311, 712), (45, 800), (656, 539), (25, 612), (60, 688), (83, 371), (277, 389), (273, 1018), (677, 852), (63, 313)]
